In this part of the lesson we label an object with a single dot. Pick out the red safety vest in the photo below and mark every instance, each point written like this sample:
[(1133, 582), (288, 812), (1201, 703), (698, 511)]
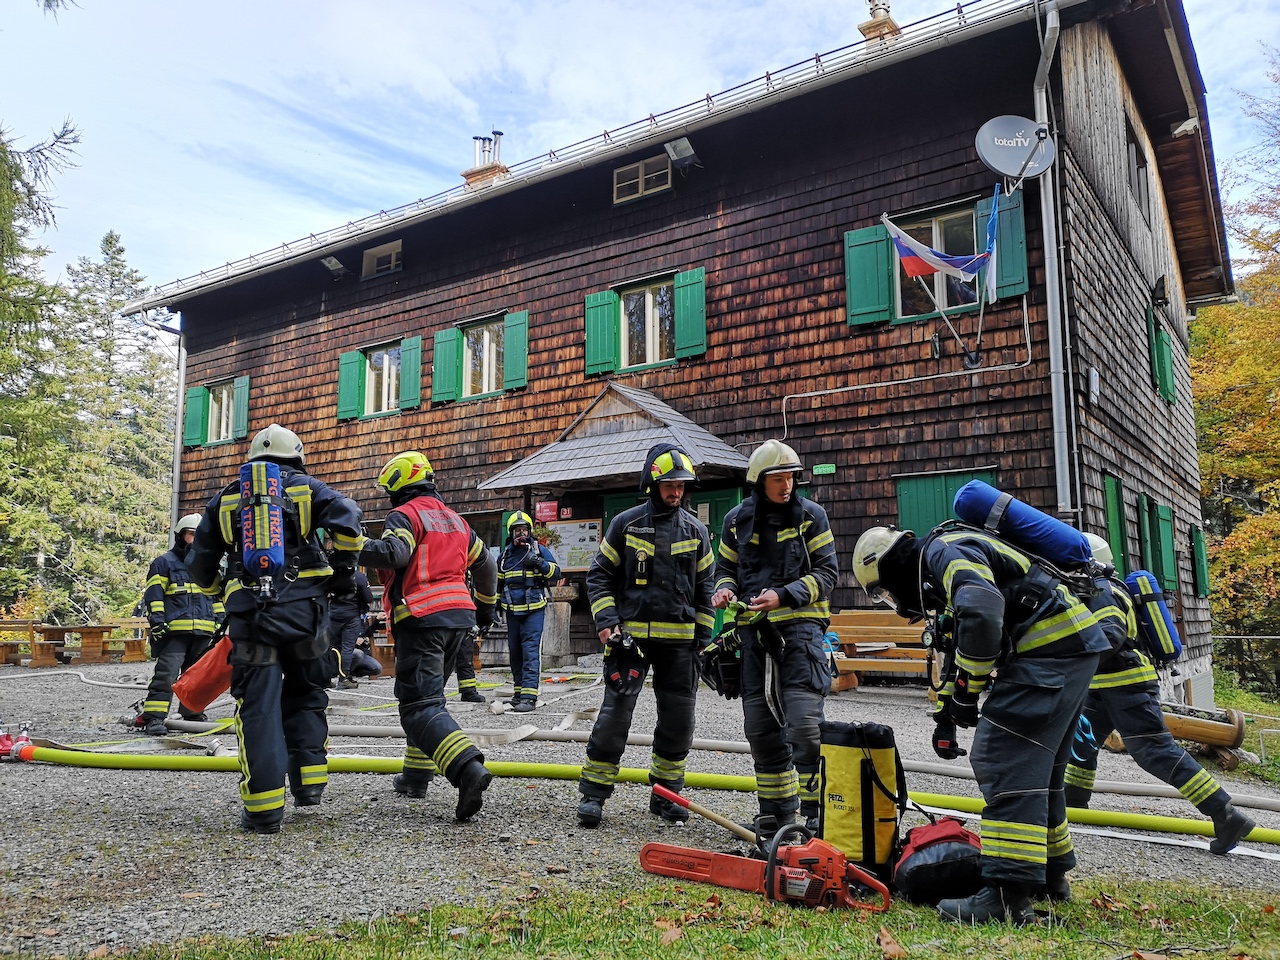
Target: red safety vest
[(436, 578)]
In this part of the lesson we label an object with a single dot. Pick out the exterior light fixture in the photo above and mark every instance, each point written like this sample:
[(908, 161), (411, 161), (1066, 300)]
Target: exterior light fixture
[(681, 154), (334, 266), (1160, 293)]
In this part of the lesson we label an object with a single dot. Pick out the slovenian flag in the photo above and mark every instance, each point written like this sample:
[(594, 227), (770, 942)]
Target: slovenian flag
[(919, 260)]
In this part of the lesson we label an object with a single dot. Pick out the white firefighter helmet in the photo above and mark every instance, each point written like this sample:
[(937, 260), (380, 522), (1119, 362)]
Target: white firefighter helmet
[(869, 551), (189, 522), (277, 443), (772, 456), (1100, 549)]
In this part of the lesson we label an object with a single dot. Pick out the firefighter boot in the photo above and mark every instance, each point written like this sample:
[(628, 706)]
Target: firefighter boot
[(155, 727), (252, 824), (308, 796), (1077, 796), (407, 787), (523, 706), (472, 784), (590, 811), (1056, 887), (471, 695), (1230, 826), (668, 811), (1008, 903)]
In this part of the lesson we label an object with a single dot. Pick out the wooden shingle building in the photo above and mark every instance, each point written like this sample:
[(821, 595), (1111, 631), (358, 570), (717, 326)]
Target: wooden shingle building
[(720, 273)]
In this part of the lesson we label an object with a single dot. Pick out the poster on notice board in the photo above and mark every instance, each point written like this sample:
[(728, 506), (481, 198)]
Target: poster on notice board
[(574, 543)]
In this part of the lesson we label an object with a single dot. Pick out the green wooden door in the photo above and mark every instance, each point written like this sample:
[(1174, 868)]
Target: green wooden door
[(924, 502)]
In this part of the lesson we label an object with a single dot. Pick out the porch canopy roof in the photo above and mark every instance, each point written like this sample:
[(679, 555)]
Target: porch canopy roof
[(608, 442)]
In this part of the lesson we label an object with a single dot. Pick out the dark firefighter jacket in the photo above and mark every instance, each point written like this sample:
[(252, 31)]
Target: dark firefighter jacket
[(173, 599), (525, 574), (1126, 665)]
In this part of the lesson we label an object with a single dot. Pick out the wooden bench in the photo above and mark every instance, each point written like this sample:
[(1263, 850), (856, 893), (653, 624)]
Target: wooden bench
[(15, 635), (129, 638), (879, 641)]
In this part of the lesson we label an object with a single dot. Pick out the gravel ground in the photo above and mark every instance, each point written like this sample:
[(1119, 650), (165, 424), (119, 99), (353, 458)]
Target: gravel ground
[(114, 859)]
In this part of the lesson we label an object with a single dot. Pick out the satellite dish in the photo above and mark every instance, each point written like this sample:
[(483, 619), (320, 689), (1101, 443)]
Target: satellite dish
[(1015, 146)]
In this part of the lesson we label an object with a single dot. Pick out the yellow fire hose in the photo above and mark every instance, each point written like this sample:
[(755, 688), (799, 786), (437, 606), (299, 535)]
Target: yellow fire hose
[(568, 771)]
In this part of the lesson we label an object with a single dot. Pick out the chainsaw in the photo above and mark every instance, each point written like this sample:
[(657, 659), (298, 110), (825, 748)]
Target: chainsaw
[(811, 873)]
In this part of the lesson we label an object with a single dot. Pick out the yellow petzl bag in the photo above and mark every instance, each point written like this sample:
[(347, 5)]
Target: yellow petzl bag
[(864, 792)]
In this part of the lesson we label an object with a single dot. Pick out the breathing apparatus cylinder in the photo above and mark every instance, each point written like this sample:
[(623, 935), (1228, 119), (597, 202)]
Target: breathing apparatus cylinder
[(982, 505), (262, 524)]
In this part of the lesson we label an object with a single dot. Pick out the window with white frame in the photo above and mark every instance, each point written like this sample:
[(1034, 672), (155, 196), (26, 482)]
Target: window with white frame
[(648, 324), (382, 379), (952, 233), (379, 260), (643, 178), (482, 358), (222, 412)]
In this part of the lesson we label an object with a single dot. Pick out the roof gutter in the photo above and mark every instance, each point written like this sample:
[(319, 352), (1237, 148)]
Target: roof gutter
[(1053, 277), (972, 20)]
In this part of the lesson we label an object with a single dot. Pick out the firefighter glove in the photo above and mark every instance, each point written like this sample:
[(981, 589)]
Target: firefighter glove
[(962, 705), (945, 743), (159, 631)]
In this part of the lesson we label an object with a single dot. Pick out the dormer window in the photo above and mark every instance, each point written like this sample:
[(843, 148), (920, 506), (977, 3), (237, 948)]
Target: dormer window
[(641, 179), (380, 260)]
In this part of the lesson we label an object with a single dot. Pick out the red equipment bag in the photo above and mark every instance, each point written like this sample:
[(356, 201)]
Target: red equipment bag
[(207, 679), (940, 860)]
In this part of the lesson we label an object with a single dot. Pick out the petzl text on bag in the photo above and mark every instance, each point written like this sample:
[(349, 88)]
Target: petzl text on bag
[(207, 679), (863, 794)]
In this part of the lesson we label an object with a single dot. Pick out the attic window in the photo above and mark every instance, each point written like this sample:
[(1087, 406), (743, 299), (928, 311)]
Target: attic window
[(641, 179), (380, 260), (1136, 162)]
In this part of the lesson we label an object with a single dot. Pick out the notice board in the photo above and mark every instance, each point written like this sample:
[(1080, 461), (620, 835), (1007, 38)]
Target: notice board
[(579, 541)]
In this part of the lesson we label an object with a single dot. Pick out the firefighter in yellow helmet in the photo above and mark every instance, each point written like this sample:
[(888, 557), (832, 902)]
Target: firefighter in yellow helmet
[(526, 570), (423, 559), (1125, 696), (778, 556), (183, 621), (278, 625), (998, 609), (650, 592)]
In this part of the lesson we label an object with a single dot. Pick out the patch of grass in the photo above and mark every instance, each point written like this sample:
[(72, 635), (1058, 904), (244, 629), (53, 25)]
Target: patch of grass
[(679, 920), (1227, 693)]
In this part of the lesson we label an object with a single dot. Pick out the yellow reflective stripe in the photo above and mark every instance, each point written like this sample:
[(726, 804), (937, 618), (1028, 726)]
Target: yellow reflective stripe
[(685, 546), (450, 748), (1199, 788), (726, 553), (1008, 840), (705, 620), (1079, 777), (726, 583), (347, 543), (1143, 674), (418, 762), (659, 630), (825, 538), (474, 550), (809, 583), (610, 553), (955, 566), (660, 768), (1019, 559), (599, 772), (638, 544), (301, 496), (405, 534), (777, 786), (486, 598), (314, 774), (789, 533), (707, 561), (1070, 621), (192, 626), (157, 580), (812, 611), (604, 603), (228, 507), (979, 668), (1058, 841)]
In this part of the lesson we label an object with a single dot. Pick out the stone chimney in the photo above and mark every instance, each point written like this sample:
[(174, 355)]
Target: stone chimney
[(488, 167), (881, 27)]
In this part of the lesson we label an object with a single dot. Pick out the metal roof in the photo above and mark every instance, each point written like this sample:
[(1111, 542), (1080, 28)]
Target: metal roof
[(942, 30), (609, 440)]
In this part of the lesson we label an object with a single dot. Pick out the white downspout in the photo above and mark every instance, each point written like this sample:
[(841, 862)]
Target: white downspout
[(1058, 386)]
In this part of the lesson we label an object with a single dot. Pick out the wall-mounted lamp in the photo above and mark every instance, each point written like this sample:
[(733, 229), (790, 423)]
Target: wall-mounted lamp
[(1184, 128), (1160, 293), (335, 267), (681, 154)]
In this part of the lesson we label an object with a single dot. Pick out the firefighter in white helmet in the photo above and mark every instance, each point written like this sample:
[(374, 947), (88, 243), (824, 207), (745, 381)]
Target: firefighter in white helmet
[(183, 621), (777, 555), (1125, 696)]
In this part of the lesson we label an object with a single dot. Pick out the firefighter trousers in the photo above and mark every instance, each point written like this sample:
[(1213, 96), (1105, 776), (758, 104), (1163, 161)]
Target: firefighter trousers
[(675, 686), (174, 654), (786, 754), (524, 645), (1020, 754), (421, 654)]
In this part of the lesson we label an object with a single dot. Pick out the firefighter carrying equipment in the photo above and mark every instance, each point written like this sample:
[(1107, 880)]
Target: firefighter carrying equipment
[(1155, 622), (405, 470), (940, 860), (981, 505), (720, 662), (263, 506), (277, 443), (867, 554), (625, 665), (861, 811), (772, 456)]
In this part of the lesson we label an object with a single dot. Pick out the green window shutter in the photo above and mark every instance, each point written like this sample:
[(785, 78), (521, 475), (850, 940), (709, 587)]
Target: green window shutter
[(1117, 532), (515, 351), (240, 408), (924, 502), (1146, 555), (604, 333), (691, 313), (1168, 572), (1164, 367), (195, 421), (446, 366), (1153, 347), (410, 373), (869, 274), (350, 385), (1199, 562), (1012, 276)]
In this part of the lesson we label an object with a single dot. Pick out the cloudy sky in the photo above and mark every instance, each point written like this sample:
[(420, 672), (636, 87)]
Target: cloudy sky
[(214, 130)]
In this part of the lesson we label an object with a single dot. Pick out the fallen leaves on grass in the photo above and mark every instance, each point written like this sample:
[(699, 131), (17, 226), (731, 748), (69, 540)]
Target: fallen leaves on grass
[(890, 947)]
